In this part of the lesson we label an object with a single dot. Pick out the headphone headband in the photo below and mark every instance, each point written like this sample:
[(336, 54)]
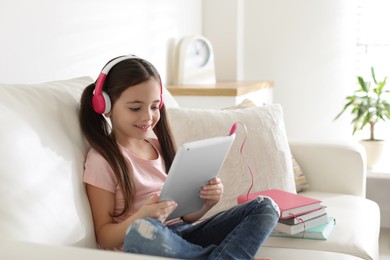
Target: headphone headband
[(101, 102)]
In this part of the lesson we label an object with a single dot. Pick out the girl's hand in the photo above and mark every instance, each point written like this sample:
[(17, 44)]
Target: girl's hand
[(212, 192), (157, 210)]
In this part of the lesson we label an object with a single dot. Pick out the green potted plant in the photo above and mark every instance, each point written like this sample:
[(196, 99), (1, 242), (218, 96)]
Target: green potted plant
[(368, 105)]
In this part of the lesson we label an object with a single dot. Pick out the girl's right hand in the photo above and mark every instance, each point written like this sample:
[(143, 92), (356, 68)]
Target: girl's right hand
[(157, 210)]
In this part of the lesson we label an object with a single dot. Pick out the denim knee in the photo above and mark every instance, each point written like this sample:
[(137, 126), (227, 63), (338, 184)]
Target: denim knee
[(150, 236), (269, 206), (144, 229)]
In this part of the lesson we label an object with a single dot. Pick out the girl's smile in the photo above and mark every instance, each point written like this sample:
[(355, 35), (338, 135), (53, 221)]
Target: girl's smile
[(136, 112), (143, 127)]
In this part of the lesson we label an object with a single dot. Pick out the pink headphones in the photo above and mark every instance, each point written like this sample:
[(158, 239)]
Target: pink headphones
[(101, 102)]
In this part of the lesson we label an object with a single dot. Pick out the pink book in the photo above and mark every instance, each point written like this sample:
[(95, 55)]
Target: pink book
[(290, 204)]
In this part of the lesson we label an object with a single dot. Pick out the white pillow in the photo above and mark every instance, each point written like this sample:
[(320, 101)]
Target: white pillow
[(169, 100), (266, 148), (42, 153)]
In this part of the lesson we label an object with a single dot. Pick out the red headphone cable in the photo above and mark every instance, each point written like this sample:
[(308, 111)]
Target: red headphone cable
[(232, 131)]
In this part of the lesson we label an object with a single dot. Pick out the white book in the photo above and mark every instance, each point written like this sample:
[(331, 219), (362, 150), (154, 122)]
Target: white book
[(319, 233), (300, 227), (304, 217)]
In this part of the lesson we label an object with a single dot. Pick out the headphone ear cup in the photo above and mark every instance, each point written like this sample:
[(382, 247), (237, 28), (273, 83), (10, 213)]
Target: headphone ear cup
[(101, 103), (107, 102), (161, 103)]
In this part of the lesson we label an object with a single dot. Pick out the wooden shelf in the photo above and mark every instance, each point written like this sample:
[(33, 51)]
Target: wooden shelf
[(222, 88)]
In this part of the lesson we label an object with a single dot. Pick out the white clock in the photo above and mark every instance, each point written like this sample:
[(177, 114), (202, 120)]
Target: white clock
[(195, 61)]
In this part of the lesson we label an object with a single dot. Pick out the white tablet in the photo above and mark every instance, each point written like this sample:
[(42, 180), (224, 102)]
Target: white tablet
[(194, 165)]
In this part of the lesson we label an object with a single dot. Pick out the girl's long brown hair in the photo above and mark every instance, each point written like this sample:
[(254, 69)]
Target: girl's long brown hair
[(97, 130)]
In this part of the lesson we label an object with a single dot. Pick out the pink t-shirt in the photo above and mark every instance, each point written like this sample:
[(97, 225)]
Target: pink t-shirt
[(148, 175)]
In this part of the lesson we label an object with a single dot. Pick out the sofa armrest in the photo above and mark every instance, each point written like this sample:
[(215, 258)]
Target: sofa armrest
[(332, 167)]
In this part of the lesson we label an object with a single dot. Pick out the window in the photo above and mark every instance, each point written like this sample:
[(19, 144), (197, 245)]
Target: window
[(373, 38), (373, 47)]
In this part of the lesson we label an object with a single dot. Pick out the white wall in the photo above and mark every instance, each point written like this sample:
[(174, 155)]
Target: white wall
[(306, 47), (220, 26), (45, 40)]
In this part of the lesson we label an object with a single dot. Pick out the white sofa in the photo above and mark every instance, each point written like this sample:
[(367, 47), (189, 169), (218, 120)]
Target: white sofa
[(44, 210)]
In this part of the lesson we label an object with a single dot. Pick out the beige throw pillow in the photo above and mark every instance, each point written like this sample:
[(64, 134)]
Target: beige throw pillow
[(266, 148), (301, 182)]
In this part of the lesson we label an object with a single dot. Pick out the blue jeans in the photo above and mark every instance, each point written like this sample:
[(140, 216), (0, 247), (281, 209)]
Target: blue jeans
[(233, 234)]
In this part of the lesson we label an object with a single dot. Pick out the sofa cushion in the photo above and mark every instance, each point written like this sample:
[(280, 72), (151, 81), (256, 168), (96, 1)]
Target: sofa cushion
[(266, 148), (301, 182), (42, 153)]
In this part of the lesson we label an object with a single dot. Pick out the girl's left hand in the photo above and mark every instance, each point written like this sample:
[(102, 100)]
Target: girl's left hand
[(212, 192)]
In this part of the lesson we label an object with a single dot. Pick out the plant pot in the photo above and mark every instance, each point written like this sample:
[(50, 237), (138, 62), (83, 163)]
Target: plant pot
[(374, 150)]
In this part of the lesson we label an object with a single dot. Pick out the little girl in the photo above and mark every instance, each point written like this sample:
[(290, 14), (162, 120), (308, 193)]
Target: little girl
[(126, 167)]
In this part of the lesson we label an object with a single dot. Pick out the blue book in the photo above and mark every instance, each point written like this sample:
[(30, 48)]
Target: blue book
[(321, 232)]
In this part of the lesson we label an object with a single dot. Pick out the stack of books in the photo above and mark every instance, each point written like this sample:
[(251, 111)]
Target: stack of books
[(300, 216)]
